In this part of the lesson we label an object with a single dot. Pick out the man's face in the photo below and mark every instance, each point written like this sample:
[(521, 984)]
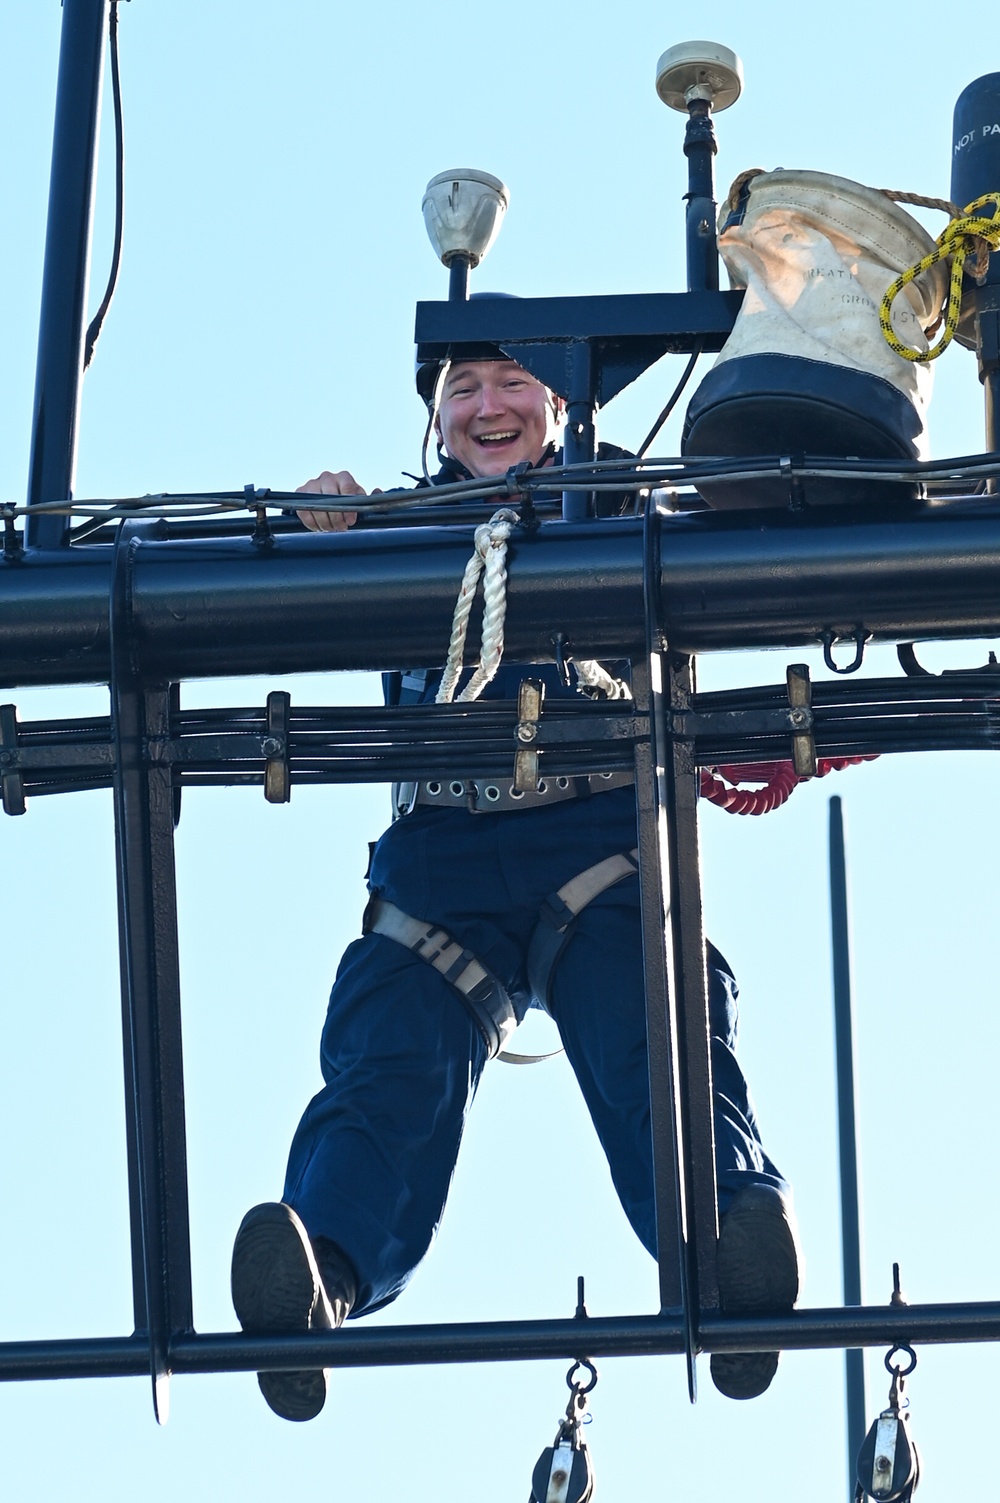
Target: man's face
[(493, 414)]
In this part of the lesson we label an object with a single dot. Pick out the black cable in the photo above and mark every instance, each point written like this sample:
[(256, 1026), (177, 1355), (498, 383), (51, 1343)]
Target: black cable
[(671, 404), (97, 321)]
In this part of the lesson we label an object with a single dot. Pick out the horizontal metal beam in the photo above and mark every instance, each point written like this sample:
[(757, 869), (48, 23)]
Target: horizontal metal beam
[(676, 318), (384, 599), (505, 1341)]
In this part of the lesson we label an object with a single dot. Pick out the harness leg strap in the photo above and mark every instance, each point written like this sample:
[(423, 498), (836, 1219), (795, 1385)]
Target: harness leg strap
[(560, 911), (483, 995)]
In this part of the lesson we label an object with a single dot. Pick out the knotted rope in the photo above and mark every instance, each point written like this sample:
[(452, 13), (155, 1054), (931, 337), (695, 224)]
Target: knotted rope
[(489, 561), (964, 236)]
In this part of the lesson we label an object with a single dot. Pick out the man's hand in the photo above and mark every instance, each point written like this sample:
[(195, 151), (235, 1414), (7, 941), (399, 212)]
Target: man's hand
[(342, 483)]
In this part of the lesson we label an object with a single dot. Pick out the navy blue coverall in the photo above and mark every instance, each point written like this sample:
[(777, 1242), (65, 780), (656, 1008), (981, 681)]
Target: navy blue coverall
[(372, 1159)]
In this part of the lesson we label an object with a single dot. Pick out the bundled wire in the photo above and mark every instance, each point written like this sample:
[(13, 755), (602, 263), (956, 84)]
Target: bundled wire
[(613, 475)]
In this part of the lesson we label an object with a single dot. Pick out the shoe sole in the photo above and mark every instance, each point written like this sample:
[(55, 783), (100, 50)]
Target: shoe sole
[(276, 1289), (758, 1275)]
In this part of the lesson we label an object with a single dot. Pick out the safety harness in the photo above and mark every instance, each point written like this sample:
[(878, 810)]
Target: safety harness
[(485, 997), (487, 1000)]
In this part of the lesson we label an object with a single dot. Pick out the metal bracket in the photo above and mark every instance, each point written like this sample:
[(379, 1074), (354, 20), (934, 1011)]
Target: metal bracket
[(277, 773), (530, 698), (262, 535), (801, 717), (13, 546), (11, 781)]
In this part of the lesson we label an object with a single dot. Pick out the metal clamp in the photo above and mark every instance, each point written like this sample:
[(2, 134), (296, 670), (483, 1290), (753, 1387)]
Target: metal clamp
[(530, 698), (516, 491), (277, 772), (801, 717), (11, 781), (13, 546), (263, 534)]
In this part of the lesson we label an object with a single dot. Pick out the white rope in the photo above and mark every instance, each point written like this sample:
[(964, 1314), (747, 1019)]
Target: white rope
[(490, 561), (592, 676)]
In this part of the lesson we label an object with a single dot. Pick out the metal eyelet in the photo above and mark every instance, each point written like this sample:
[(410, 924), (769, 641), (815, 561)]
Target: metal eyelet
[(514, 793), (562, 782), (606, 774), (542, 786), (434, 789), (457, 789), (492, 793)]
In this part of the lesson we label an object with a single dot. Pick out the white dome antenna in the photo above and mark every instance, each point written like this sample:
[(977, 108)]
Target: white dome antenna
[(699, 70), (463, 211)]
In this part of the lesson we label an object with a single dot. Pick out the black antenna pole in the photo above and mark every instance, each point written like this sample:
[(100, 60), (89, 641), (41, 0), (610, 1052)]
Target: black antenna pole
[(850, 1212), (67, 256)]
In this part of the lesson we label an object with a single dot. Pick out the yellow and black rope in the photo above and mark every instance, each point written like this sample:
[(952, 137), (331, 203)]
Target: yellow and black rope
[(964, 236)]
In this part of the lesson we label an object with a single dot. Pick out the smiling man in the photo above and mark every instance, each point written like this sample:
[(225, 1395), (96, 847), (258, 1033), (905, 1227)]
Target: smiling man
[(484, 902), (493, 414)]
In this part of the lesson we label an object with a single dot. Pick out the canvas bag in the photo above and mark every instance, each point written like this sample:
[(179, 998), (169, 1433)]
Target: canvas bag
[(806, 368)]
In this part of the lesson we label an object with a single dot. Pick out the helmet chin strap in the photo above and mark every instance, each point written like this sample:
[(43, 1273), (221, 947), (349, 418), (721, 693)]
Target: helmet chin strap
[(432, 416)]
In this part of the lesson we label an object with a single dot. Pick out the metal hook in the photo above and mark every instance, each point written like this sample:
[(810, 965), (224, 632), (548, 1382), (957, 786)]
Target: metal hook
[(560, 642), (896, 1368), (573, 1382), (859, 637), (913, 668)]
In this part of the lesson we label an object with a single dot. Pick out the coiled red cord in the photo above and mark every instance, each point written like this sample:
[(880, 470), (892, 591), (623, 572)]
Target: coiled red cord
[(718, 784)]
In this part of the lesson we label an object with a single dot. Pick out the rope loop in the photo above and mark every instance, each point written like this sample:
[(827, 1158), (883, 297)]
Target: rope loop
[(489, 562), (964, 236)]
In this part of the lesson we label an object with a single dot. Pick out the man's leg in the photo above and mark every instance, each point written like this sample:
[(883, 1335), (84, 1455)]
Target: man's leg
[(599, 1003), (372, 1159), (371, 1162)]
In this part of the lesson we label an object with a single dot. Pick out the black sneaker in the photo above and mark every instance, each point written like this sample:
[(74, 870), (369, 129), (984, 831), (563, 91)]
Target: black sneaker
[(277, 1288), (758, 1275)]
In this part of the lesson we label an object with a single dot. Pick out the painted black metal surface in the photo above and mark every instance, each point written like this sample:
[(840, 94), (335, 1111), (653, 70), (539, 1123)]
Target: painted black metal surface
[(504, 1341), (726, 581), (850, 1202), (626, 333), (664, 1082), (64, 279), (700, 148), (147, 907), (956, 711)]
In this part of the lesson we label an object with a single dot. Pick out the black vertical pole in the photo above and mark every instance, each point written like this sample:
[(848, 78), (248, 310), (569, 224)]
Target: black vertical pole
[(677, 1027), (850, 1212), (59, 367), (151, 1016), (975, 170), (700, 147), (458, 278), (580, 437)]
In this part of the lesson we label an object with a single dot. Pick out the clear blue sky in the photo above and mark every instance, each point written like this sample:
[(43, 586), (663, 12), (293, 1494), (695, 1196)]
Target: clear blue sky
[(262, 330)]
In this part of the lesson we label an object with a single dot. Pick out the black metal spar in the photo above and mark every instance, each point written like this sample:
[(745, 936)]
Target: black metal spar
[(206, 608), (502, 1341)]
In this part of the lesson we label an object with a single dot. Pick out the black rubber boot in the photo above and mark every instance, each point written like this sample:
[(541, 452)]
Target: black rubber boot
[(758, 1275), (278, 1289)]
